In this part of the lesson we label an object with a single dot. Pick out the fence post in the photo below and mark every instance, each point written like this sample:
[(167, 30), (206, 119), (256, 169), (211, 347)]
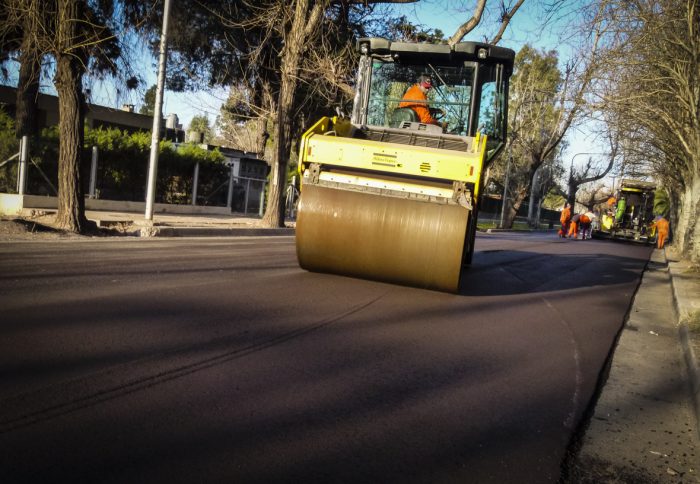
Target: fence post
[(22, 171), (289, 208), (229, 197), (247, 192), (261, 211), (93, 172), (195, 181)]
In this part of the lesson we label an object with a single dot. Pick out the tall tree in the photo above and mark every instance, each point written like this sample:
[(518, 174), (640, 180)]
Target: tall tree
[(149, 101), (285, 62), (71, 61), (82, 37), (29, 73), (651, 82), (18, 35), (200, 124), (591, 170), (535, 114)]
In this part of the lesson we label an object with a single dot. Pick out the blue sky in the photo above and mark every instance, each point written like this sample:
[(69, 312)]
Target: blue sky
[(446, 15)]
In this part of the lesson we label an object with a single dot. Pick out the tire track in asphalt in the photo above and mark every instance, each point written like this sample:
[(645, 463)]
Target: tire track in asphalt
[(70, 396)]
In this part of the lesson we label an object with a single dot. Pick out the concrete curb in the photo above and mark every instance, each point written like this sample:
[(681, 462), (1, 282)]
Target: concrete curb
[(693, 371), (156, 231), (683, 316), (495, 230)]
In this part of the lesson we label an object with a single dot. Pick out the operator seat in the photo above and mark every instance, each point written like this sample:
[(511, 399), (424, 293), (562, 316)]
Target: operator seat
[(402, 115)]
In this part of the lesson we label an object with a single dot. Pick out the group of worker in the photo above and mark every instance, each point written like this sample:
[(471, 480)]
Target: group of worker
[(416, 98), (570, 226)]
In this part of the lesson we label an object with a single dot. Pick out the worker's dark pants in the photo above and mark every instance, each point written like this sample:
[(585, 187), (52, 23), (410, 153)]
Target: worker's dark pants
[(585, 230)]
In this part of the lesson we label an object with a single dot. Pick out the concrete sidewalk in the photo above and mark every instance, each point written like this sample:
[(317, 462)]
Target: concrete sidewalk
[(177, 225), (644, 428)]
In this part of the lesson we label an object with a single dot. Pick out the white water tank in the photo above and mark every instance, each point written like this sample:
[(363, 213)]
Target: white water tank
[(171, 121)]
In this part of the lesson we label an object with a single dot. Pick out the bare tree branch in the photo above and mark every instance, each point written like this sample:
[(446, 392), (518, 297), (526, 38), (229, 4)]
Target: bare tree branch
[(506, 16), (469, 25)]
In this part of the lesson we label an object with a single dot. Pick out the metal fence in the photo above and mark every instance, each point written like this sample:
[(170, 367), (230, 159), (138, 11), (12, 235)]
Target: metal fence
[(209, 185)]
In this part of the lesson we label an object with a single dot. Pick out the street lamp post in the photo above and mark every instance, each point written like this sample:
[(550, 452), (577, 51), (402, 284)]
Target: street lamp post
[(157, 115)]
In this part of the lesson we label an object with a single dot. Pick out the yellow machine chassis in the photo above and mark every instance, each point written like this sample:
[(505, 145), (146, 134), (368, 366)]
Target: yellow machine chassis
[(327, 143), (385, 211)]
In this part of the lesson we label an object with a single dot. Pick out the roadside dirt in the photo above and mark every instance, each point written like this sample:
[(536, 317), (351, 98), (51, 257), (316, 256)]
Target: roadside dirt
[(43, 227)]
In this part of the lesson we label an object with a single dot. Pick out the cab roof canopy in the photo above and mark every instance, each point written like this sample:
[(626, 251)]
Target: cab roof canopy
[(419, 52), (637, 184)]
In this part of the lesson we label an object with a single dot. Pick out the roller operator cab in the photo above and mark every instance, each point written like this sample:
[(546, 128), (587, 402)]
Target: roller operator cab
[(392, 194)]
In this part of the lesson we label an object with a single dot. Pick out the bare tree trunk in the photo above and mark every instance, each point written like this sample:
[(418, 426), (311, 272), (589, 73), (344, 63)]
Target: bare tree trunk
[(262, 136), (27, 93), (29, 74), (693, 247), (534, 192), (513, 207), (274, 215), (571, 192), (303, 24), (686, 235), (509, 216), (68, 82)]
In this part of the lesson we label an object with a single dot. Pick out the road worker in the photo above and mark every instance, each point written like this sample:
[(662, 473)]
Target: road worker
[(661, 226), (585, 223), (565, 220), (416, 98), (573, 226)]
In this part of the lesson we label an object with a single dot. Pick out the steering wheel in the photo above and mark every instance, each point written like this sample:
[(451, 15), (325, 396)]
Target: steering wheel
[(437, 113)]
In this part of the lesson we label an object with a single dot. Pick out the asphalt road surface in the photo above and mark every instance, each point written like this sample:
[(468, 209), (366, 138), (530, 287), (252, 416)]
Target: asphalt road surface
[(219, 360)]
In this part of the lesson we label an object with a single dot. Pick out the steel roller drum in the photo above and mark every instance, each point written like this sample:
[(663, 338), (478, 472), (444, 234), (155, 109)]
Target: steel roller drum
[(391, 239)]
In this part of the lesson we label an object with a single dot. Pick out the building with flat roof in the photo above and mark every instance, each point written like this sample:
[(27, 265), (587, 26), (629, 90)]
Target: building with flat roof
[(96, 116), (248, 173)]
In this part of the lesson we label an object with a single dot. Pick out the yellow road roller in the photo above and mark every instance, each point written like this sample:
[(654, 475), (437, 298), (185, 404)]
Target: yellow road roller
[(391, 193)]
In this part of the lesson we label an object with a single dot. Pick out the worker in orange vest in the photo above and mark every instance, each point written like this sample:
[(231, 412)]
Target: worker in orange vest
[(565, 220), (573, 226), (585, 224), (661, 225), (416, 98)]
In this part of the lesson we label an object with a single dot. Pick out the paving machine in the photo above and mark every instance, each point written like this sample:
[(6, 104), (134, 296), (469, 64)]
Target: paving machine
[(387, 197), (630, 216)]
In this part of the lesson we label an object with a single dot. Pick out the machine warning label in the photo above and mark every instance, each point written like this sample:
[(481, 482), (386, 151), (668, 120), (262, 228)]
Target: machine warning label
[(383, 159)]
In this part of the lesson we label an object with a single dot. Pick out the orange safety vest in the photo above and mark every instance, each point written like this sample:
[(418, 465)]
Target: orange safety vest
[(565, 215), (418, 101)]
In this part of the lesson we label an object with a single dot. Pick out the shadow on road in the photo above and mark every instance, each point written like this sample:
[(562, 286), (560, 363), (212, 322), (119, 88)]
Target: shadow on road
[(499, 273)]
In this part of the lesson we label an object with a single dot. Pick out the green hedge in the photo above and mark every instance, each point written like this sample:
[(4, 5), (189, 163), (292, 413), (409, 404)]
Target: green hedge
[(122, 168), (9, 145)]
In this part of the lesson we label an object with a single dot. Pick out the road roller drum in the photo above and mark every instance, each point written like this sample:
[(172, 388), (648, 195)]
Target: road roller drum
[(384, 238)]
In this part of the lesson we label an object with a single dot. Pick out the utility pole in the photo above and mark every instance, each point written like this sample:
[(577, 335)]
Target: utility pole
[(157, 115), (505, 187), (22, 169)]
